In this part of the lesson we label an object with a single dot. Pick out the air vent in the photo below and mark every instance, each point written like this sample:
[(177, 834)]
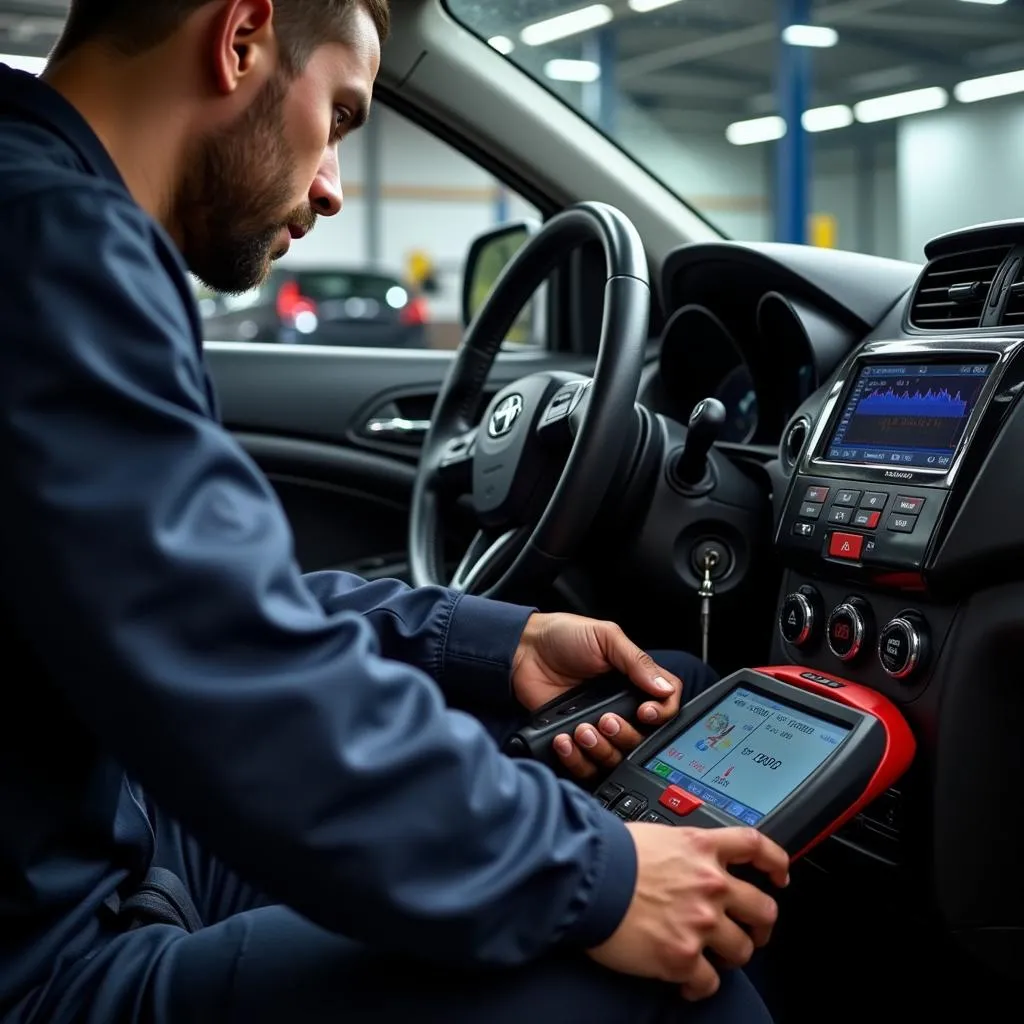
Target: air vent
[(952, 291), (1013, 314), (794, 441)]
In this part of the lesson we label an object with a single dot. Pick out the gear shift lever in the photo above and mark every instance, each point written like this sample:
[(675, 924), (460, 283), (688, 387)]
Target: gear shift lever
[(706, 422)]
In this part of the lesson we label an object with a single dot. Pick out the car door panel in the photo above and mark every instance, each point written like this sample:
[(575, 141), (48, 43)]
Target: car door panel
[(301, 412)]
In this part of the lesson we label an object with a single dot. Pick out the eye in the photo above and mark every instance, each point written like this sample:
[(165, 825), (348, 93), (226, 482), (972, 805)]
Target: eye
[(340, 123)]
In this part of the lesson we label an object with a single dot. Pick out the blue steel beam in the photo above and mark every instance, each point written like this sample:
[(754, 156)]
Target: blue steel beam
[(793, 172)]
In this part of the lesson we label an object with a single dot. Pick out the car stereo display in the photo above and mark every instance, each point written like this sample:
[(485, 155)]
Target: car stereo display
[(908, 415), (747, 754)]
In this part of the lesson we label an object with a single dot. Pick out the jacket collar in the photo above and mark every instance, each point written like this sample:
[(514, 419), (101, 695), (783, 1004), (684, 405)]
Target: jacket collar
[(23, 94)]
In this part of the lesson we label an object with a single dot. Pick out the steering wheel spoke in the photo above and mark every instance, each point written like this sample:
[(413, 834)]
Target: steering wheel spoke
[(561, 420), (487, 558), (455, 465)]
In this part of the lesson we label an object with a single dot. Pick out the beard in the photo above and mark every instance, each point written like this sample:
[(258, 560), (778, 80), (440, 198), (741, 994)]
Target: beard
[(229, 206)]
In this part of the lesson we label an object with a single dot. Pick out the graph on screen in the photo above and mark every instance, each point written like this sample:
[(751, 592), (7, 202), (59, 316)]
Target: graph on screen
[(940, 404), (908, 415)]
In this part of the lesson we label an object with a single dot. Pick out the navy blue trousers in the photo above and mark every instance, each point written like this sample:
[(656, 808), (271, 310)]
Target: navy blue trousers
[(256, 963)]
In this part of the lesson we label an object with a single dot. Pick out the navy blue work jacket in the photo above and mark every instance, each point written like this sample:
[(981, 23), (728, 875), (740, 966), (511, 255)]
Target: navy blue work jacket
[(155, 632)]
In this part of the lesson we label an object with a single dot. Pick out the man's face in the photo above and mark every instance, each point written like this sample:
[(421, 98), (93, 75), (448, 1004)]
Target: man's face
[(249, 190)]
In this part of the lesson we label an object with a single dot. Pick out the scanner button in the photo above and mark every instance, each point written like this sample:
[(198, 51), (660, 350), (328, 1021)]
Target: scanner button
[(678, 801), (630, 806), (654, 818), (608, 792)]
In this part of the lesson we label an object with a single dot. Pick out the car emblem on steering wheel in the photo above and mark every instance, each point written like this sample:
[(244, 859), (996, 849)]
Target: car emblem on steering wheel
[(504, 417)]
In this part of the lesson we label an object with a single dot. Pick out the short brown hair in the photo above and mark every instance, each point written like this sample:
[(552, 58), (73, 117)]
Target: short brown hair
[(134, 26)]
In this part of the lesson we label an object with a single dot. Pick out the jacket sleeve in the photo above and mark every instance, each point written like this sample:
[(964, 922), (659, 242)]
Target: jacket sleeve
[(154, 577), (465, 643)]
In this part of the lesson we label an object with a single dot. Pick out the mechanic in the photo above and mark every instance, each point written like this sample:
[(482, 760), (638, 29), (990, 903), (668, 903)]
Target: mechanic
[(228, 791)]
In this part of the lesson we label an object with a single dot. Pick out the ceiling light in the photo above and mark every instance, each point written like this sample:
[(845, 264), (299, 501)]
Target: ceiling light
[(810, 35), (502, 44), (760, 129), (901, 104), (988, 88), (643, 6), (562, 70), (22, 63), (991, 3), (826, 119), (563, 25)]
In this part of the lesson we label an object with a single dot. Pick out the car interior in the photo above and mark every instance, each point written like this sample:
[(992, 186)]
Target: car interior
[(866, 543)]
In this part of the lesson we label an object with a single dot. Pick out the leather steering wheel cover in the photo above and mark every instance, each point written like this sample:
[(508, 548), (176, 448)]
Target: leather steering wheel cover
[(594, 456)]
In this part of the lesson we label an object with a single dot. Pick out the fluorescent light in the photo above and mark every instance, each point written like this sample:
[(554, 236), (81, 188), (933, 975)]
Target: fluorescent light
[(22, 63), (502, 44), (901, 104), (570, 24), (826, 119), (643, 6), (562, 70), (987, 88), (991, 3), (760, 129), (810, 35)]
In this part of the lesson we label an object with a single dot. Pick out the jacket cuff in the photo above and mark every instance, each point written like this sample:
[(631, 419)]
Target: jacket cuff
[(611, 885), (477, 654)]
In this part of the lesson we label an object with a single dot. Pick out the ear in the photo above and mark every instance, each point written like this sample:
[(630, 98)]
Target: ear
[(244, 44)]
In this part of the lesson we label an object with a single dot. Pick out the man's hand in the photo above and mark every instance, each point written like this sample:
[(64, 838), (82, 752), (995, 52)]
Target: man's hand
[(686, 905), (558, 652)]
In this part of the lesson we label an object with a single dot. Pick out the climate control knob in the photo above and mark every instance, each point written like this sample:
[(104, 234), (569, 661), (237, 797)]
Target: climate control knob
[(800, 617), (849, 628), (903, 645)]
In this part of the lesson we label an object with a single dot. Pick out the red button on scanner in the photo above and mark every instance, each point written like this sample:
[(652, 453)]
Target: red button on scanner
[(846, 545), (678, 801)]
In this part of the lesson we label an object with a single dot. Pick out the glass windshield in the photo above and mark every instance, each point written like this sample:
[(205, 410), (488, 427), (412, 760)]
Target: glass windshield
[(871, 125)]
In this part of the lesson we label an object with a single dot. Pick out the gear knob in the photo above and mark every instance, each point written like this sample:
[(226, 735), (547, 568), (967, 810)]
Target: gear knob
[(703, 430)]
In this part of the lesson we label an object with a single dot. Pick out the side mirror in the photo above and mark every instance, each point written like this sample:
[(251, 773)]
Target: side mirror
[(488, 256)]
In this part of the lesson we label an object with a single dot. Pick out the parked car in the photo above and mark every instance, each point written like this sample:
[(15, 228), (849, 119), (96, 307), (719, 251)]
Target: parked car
[(320, 306)]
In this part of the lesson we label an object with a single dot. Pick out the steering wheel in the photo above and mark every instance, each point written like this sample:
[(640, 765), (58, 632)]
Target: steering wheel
[(533, 505)]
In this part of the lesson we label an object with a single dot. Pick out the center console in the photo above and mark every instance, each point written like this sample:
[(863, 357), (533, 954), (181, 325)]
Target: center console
[(875, 488), (888, 464)]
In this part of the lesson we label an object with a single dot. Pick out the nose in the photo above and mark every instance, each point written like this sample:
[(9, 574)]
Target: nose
[(325, 194)]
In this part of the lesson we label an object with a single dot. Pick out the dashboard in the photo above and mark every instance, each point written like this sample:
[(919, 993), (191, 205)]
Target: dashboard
[(760, 327), (882, 403)]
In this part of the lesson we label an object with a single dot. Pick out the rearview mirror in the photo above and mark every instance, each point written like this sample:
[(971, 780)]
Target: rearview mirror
[(488, 256)]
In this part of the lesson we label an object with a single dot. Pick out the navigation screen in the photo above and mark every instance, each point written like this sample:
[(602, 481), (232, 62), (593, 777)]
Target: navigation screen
[(908, 415), (747, 754)]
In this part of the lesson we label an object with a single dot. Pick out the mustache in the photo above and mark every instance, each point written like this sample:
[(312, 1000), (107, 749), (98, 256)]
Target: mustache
[(304, 217)]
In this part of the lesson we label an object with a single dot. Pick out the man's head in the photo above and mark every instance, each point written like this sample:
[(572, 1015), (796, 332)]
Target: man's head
[(267, 89)]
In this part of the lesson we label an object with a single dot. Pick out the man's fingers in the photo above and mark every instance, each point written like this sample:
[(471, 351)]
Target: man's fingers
[(571, 756), (703, 983), (733, 945), (641, 669), (749, 906), (748, 846), (595, 747), (621, 734)]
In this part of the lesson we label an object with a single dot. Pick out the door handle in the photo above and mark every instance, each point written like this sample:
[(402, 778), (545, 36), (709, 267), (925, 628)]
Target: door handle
[(397, 426)]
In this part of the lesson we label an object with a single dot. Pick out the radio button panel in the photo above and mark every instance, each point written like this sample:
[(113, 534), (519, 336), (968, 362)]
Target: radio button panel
[(862, 533)]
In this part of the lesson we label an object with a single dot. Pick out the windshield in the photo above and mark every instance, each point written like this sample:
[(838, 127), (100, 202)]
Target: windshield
[(871, 125)]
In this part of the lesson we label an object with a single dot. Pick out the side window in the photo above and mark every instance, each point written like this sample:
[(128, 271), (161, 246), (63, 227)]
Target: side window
[(388, 271)]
